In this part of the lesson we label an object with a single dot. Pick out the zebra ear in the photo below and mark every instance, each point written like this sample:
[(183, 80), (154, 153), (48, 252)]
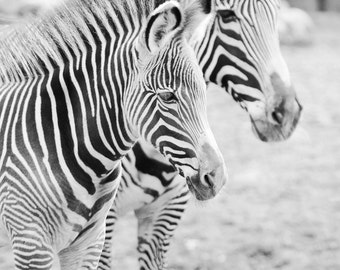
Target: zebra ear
[(197, 15), (162, 24)]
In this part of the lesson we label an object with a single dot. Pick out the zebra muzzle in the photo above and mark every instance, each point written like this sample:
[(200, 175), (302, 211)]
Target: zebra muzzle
[(211, 176)]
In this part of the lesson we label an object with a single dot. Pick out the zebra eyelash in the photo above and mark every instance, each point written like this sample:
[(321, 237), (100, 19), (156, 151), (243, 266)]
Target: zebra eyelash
[(167, 96)]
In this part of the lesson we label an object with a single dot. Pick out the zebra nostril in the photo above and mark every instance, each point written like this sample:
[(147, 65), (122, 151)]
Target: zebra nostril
[(208, 180), (277, 116)]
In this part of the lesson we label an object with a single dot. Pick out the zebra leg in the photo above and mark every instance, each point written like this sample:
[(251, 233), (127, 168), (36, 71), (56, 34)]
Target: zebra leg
[(157, 223), (105, 261), (127, 199)]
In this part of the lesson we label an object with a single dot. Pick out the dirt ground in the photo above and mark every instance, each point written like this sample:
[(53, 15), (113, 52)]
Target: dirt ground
[(281, 207)]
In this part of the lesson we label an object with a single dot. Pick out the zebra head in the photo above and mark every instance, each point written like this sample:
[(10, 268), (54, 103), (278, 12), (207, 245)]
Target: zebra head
[(246, 60), (172, 101)]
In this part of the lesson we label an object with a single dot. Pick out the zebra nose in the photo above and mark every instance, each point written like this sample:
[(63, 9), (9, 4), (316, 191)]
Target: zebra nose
[(214, 179), (277, 114), (212, 173), (206, 185), (208, 180), (277, 117)]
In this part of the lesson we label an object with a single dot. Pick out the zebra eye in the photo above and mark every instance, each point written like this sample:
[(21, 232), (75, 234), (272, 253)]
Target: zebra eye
[(167, 96), (227, 15)]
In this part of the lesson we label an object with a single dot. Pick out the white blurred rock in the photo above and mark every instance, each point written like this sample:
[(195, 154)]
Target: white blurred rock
[(295, 25), (13, 9)]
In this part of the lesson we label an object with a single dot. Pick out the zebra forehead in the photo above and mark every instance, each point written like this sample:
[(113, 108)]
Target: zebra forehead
[(174, 67), (174, 79)]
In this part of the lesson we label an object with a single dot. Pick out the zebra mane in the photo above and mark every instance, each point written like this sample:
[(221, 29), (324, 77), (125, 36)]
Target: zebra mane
[(23, 46)]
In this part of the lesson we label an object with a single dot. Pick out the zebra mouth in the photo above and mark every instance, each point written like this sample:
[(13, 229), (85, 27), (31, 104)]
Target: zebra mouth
[(266, 132), (194, 190)]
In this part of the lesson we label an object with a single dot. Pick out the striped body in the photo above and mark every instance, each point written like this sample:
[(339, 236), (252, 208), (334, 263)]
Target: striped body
[(77, 88), (238, 49)]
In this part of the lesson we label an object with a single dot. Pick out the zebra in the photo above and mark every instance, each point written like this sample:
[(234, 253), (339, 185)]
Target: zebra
[(78, 87), (237, 49)]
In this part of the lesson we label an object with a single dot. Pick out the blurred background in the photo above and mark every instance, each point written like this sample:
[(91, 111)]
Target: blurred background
[(281, 207)]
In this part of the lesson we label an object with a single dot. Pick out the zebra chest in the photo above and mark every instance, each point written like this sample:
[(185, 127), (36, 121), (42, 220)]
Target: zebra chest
[(85, 218)]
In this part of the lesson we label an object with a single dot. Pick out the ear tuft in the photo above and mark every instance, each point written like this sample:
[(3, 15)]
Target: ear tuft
[(163, 22)]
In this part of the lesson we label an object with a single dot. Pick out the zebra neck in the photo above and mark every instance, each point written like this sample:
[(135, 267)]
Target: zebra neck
[(230, 65), (81, 61)]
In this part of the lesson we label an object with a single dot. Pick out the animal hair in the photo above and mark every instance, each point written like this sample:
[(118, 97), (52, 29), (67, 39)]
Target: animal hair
[(22, 47)]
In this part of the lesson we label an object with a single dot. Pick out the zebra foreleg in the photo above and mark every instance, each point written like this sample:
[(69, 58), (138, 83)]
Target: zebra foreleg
[(157, 223), (105, 262)]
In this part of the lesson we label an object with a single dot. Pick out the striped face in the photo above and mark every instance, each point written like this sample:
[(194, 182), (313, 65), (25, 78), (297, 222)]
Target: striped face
[(171, 111), (240, 52)]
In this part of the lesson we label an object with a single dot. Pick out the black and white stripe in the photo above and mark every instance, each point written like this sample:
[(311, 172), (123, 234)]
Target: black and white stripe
[(76, 90)]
